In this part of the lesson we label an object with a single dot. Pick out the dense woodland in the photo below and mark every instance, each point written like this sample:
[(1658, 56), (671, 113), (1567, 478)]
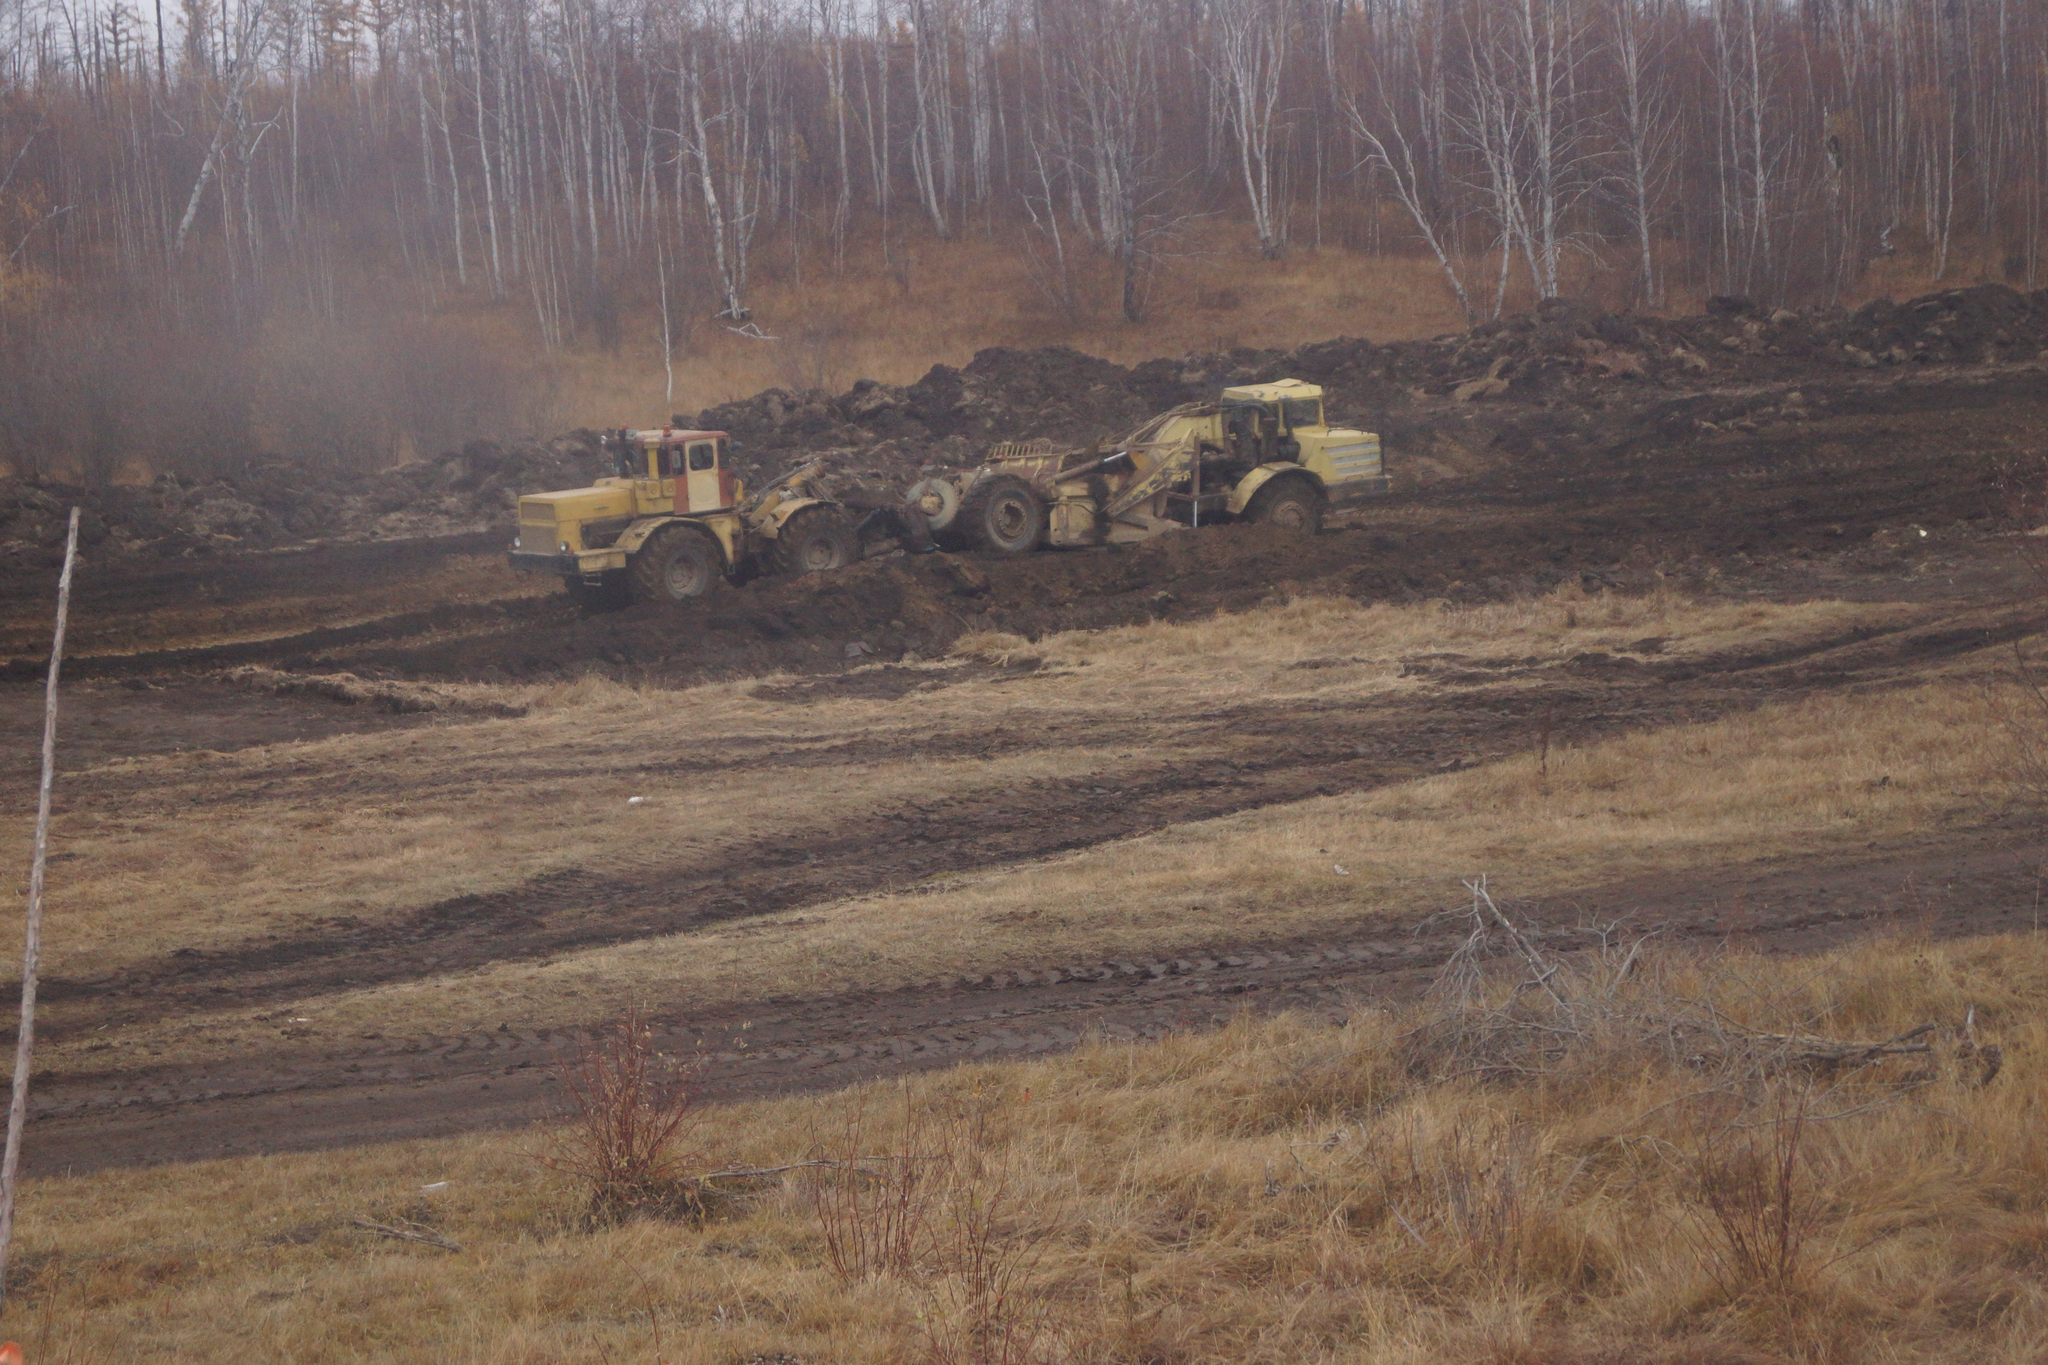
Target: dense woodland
[(227, 219)]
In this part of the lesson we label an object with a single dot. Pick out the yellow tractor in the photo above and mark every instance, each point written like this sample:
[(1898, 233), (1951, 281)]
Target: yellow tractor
[(675, 520), (1262, 453)]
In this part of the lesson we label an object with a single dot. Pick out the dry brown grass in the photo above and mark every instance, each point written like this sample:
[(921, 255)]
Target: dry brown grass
[(1274, 1192), (396, 819), (212, 849)]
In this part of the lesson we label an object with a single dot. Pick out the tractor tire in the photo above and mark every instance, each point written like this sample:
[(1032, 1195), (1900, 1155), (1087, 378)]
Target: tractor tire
[(676, 564), (1290, 502), (1001, 515), (815, 540), (606, 596)]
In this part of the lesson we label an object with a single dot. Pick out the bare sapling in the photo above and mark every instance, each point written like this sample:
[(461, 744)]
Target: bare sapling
[(936, 1203), (873, 1199), (629, 1108), (25, 1035), (986, 1305), (1756, 1198)]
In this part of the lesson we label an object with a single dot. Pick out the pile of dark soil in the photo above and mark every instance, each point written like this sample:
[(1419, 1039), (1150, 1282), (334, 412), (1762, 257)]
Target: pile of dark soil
[(1563, 356), (1553, 384)]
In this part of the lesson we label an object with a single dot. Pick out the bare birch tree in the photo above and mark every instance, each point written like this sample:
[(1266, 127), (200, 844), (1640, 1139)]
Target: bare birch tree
[(1251, 48)]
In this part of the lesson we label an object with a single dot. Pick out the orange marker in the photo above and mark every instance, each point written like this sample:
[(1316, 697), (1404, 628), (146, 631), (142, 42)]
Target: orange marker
[(10, 1354)]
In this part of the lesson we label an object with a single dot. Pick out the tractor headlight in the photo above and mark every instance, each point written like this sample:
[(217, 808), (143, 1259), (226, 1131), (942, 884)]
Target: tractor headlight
[(565, 547)]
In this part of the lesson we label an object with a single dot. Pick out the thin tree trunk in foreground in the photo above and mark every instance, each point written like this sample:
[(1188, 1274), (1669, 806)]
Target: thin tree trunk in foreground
[(25, 1039)]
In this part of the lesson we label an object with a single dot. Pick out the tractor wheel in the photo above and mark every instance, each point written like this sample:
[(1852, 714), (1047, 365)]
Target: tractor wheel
[(605, 596), (937, 500), (1001, 514), (1291, 503), (815, 540), (676, 564)]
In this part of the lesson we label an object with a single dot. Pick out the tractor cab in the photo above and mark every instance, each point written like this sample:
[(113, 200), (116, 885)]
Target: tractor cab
[(684, 472), (1263, 420), (1284, 423)]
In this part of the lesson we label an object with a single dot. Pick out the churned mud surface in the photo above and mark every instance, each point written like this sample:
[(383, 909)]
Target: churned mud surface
[(1821, 478)]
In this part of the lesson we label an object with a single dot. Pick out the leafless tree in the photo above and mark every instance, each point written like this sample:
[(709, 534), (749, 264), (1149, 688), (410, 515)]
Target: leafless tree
[(1251, 50)]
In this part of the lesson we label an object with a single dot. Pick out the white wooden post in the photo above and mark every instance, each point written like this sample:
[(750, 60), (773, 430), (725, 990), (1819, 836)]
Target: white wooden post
[(25, 1040)]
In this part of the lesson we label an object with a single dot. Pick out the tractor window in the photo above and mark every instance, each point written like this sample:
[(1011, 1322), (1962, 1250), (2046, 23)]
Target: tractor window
[(701, 456), (671, 461), (1302, 412)]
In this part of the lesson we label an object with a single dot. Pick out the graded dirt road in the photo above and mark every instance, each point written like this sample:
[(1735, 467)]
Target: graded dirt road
[(1899, 493)]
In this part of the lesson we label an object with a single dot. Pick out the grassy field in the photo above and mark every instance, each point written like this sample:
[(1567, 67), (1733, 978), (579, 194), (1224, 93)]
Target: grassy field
[(1642, 1160), (1655, 1154), (209, 850)]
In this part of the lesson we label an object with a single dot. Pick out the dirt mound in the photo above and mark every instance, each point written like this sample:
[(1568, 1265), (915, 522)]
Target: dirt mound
[(1448, 394), (948, 418), (1551, 385), (276, 502), (906, 608)]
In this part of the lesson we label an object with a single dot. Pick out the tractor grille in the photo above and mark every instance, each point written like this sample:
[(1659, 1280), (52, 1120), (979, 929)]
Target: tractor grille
[(1358, 461), (536, 526)]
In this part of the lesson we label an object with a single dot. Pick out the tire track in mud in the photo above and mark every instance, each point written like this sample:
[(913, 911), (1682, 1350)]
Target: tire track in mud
[(1311, 749), (305, 647), (375, 1088)]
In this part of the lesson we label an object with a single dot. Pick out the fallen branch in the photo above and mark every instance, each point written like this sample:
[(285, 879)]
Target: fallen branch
[(408, 1234), (1828, 1050), (850, 1166), (1835, 1051)]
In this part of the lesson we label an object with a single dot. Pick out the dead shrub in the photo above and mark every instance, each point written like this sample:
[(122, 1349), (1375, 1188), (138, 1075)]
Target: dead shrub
[(813, 356), (1512, 1005), (985, 1306), (873, 1208), (1756, 1203), (628, 1110), (943, 1208)]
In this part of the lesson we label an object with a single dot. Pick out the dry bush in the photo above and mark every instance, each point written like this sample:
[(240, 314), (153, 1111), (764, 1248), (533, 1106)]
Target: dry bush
[(813, 355), (986, 1306), (874, 1209), (1511, 1006), (942, 1209), (1760, 1202), (629, 1109), (1754, 1130), (60, 1329)]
